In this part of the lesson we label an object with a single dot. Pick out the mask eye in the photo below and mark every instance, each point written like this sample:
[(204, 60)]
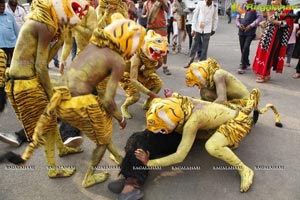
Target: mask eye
[(163, 131), (158, 41)]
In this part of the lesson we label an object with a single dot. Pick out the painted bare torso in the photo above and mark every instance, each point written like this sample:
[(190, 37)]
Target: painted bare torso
[(235, 89), (209, 115), (25, 59), (89, 68)]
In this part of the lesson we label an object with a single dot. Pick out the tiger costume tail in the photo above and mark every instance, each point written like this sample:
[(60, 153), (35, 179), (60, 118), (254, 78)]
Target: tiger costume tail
[(251, 104)]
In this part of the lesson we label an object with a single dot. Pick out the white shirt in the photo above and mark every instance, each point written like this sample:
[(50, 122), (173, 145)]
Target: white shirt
[(207, 15), (19, 14)]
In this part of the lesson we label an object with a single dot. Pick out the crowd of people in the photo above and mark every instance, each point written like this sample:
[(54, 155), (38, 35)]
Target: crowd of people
[(116, 32)]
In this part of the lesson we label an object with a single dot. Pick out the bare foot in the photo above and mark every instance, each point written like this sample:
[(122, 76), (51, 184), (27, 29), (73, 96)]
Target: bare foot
[(60, 173), (246, 179), (68, 150), (94, 179), (117, 159)]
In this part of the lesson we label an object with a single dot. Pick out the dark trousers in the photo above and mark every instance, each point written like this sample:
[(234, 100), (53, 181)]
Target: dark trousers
[(189, 32), (170, 28), (200, 42), (157, 144), (245, 42), (66, 131), (9, 54), (298, 66)]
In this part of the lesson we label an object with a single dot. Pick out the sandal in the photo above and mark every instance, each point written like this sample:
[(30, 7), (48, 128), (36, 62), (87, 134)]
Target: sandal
[(297, 75), (260, 79)]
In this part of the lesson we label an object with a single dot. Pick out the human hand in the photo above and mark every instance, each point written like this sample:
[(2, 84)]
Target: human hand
[(248, 28), (122, 123), (263, 24), (193, 33), (241, 27), (168, 92), (153, 95), (143, 156)]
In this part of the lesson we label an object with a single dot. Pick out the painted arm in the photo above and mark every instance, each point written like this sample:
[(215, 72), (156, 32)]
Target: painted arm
[(66, 49), (41, 66), (188, 137), (134, 72), (220, 84), (89, 24), (109, 96)]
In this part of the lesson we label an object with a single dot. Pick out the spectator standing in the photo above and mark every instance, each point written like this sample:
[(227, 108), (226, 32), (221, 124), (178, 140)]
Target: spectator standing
[(297, 74), (204, 25), (291, 45), (188, 24), (140, 18), (17, 11), (228, 13), (272, 46), (131, 9), (179, 21), (170, 19), (9, 32), (157, 21), (247, 24)]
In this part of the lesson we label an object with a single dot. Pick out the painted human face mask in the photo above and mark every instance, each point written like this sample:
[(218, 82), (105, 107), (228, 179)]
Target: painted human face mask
[(164, 115), (129, 34), (155, 45), (196, 75), (70, 11)]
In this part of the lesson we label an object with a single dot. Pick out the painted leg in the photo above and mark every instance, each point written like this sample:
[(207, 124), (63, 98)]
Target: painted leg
[(91, 178), (129, 101), (53, 170), (217, 147), (114, 154), (63, 150)]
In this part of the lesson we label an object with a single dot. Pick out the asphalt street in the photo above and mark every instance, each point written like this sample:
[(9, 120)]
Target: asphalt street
[(270, 151)]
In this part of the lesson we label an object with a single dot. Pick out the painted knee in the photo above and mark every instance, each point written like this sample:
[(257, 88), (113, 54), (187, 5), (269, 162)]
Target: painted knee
[(212, 147), (136, 96)]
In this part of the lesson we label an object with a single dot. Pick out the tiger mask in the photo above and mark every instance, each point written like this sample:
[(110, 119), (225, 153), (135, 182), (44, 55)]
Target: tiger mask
[(164, 115), (155, 45), (70, 11), (129, 34)]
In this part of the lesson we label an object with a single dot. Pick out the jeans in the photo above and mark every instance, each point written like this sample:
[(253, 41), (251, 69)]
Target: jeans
[(245, 42)]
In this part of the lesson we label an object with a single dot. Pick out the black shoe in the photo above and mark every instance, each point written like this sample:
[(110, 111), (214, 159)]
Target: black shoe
[(135, 194), (116, 186), (56, 65)]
